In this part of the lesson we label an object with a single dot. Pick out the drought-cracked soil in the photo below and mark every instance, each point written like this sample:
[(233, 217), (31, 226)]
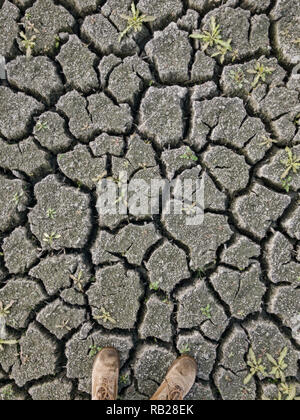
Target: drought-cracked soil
[(157, 106)]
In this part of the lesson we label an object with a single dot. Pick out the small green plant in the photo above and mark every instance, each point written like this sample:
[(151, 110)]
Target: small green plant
[(28, 44), (51, 213), (57, 41), (94, 350), (239, 77), (135, 22), (189, 155), (17, 197), (223, 50), (41, 126), (201, 272), (286, 184), (279, 366), (260, 72), (124, 379), (50, 238), (65, 325), (212, 38), (267, 141), (7, 343), (78, 281), (206, 311), (106, 317), (190, 210), (185, 350), (292, 163), (7, 393), (289, 391), (256, 367), (154, 286), (5, 310), (297, 119)]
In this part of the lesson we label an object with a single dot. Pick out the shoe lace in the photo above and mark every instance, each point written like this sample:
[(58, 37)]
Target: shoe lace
[(175, 392), (104, 393)]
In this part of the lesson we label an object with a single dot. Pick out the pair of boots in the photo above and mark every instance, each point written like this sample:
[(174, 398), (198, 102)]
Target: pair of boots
[(176, 385)]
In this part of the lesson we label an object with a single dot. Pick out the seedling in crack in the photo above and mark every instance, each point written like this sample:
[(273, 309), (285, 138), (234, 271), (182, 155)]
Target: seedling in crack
[(17, 197), (260, 72), (206, 311), (213, 38), (286, 184), (49, 239), (201, 273), (41, 126), (106, 317), (154, 286), (7, 393), (124, 379), (51, 213), (65, 325), (185, 350), (135, 22), (7, 343), (189, 155), (292, 163), (267, 141), (78, 281), (28, 43), (94, 350), (190, 210), (57, 41), (238, 77), (222, 51), (289, 390), (279, 366), (256, 367), (5, 310)]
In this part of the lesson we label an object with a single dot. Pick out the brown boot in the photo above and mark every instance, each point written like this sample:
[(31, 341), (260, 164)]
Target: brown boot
[(106, 375), (179, 380)]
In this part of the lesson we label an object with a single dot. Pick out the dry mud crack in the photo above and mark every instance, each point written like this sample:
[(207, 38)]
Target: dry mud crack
[(157, 105)]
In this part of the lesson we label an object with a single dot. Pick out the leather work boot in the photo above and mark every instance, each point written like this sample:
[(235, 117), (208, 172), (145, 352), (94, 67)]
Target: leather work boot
[(106, 375), (178, 381)]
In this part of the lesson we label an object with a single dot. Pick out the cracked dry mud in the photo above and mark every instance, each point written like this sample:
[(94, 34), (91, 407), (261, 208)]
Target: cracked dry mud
[(86, 106)]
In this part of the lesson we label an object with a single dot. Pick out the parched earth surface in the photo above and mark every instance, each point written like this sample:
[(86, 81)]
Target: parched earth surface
[(156, 105)]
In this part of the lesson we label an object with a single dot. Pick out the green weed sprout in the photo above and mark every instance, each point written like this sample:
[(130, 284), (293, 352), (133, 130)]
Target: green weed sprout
[(213, 38), (78, 281), (154, 286), (279, 366), (255, 365), (51, 213), (189, 155), (206, 311), (292, 163), (135, 22), (106, 317), (50, 238), (238, 77), (28, 44), (5, 310), (185, 350), (261, 72), (7, 343), (41, 126), (94, 350), (223, 50)]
